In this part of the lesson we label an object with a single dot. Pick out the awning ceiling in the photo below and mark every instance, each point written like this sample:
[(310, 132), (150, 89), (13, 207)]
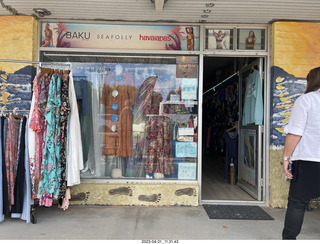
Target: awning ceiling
[(185, 11)]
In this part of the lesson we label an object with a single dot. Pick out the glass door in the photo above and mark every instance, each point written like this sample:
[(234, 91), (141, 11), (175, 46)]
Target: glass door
[(250, 171)]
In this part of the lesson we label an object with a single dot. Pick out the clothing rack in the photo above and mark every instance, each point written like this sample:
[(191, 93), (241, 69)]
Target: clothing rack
[(223, 83), (15, 110)]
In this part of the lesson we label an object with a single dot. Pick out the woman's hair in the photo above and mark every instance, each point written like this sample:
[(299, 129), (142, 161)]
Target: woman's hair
[(252, 33), (313, 80)]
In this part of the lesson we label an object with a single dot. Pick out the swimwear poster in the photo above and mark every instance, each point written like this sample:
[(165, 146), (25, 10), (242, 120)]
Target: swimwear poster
[(251, 39), (102, 36), (219, 39)]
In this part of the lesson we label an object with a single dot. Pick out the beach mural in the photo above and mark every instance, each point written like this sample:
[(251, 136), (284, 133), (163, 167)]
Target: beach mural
[(15, 89), (294, 54), (17, 43)]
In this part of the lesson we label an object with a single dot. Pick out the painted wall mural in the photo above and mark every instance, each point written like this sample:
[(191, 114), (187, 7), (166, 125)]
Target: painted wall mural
[(286, 89), (15, 88), (295, 53), (17, 42)]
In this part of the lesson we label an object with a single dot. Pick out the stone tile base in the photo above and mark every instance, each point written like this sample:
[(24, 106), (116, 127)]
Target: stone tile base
[(135, 193)]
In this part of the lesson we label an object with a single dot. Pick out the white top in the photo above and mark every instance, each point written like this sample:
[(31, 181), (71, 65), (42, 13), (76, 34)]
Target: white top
[(305, 121)]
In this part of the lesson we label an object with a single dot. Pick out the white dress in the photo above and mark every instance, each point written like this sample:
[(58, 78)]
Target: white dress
[(75, 157)]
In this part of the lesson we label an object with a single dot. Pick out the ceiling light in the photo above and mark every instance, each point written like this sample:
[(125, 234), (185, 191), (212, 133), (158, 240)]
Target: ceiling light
[(209, 5), (41, 12), (207, 11), (204, 16)]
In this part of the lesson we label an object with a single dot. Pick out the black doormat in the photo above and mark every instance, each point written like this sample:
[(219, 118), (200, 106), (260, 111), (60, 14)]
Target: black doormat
[(236, 212)]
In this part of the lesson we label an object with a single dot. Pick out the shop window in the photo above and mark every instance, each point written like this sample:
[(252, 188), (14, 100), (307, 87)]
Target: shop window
[(138, 117)]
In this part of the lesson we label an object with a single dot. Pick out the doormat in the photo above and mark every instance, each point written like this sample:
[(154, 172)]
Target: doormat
[(236, 212)]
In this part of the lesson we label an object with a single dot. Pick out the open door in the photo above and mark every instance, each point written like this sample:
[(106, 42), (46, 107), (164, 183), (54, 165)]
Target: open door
[(250, 168)]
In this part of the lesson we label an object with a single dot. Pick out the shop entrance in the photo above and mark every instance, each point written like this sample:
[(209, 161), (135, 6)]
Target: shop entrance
[(232, 122)]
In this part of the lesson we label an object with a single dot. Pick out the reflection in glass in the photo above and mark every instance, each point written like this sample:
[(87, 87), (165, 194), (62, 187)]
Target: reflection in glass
[(133, 119)]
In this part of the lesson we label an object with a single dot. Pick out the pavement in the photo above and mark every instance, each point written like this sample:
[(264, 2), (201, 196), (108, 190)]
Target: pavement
[(149, 223)]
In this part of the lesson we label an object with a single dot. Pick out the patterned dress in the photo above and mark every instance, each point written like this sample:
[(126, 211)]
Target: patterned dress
[(159, 146), (50, 170), (11, 156), (64, 114), (35, 125)]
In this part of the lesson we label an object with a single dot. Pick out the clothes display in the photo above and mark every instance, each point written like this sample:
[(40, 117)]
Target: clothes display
[(159, 146), (118, 96), (15, 175), (253, 102), (55, 148)]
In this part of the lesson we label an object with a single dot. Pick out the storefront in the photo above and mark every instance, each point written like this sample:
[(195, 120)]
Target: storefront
[(177, 77), (138, 109), (142, 144)]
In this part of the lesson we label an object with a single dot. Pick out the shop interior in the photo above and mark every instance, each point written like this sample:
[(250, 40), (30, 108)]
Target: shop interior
[(221, 115)]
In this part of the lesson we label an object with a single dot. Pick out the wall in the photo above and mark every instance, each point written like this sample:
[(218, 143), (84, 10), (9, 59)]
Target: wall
[(18, 41), (295, 50)]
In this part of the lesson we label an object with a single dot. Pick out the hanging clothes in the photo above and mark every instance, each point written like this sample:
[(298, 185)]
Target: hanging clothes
[(159, 146), (253, 104), (17, 201), (1, 170), (20, 170), (118, 95), (64, 115), (11, 157), (50, 167), (4, 129), (75, 158), (55, 148), (27, 201)]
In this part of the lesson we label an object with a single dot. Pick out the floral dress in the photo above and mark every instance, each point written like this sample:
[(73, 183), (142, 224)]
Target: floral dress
[(64, 114), (50, 168), (159, 146), (11, 156), (35, 125)]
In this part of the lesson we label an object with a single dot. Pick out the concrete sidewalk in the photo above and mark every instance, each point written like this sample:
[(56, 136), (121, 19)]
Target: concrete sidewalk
[(145, 223)]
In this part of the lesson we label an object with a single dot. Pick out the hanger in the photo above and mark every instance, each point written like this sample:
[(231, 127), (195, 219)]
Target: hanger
[(15, 115), (3, 111)]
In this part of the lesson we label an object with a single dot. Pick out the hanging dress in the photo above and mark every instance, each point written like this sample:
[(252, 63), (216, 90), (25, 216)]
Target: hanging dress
[(11, 157), (20, 171), (35, 136), (4, 129), (75, 157), (27, 201), (118, 95), (159, 146), (50, 175), (1, 178), (64, 114)]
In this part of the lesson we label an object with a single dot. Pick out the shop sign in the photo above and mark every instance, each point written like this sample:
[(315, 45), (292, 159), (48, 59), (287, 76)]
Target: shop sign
[(101, 36)]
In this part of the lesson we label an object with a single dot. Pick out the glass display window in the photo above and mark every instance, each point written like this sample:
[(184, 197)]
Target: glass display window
[(138, 117)]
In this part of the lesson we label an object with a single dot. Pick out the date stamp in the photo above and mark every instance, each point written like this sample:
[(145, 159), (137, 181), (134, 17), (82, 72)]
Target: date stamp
[(159, 241)]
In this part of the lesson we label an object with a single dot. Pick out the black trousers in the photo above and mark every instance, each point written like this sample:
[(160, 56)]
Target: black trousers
[(304, 186)]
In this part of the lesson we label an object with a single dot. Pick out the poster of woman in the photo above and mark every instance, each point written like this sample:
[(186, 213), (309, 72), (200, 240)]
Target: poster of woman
[(250, 39), (218, 39)]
